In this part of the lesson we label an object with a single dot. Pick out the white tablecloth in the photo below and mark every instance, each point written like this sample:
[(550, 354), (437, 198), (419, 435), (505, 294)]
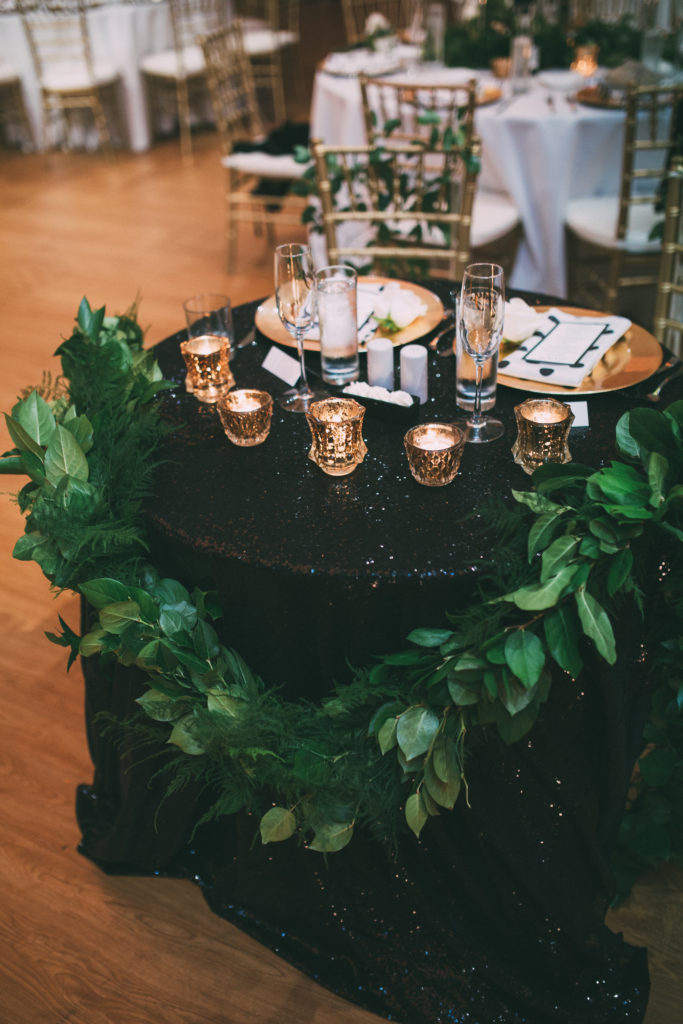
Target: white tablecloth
[(120, 33), (541, 155)]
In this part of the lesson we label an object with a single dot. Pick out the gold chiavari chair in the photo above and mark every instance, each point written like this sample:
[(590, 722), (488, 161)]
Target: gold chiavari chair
[(269, 28), (176, 79), (409, 112), (372, 218), (668, 318), (399, 14), (13, 115), (70, 78), (609, 249), (257, 183)]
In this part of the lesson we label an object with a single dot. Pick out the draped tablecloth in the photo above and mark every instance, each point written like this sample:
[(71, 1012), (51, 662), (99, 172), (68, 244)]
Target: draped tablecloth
[(497, 913)]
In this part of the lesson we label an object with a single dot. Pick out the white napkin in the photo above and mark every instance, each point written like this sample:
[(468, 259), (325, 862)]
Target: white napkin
[(347, 65), (564, 348), (402, 304), (520, 320)]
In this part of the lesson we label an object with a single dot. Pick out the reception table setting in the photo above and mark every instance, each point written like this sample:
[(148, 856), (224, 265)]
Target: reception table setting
[(374, 673)]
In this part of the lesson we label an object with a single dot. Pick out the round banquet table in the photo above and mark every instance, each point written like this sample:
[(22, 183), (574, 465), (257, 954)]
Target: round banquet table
[(497, 913)]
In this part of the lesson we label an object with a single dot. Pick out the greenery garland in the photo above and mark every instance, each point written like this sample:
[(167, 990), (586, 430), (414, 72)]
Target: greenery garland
[(391, 745)]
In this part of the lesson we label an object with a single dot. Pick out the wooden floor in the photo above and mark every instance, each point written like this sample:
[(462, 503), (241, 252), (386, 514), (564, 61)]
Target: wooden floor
[(76, 945)]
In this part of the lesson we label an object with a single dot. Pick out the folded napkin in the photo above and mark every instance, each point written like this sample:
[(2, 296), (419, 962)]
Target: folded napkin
[(354, 61), (521, 320), (563, 348)]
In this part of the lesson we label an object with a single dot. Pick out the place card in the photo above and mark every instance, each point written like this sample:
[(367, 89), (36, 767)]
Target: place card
[(281, 365), (580, 410)]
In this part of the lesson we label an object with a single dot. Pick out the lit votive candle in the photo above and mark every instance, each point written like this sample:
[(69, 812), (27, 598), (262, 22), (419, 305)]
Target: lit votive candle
[(246, 415), (434, 451), (208, 367), (543, 426), (336, 433)]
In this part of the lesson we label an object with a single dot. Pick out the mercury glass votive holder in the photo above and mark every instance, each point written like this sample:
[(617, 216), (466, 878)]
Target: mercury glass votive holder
[(586, 60), (434, 451), (336, 426), (543, 426), (208, 367), (245, 414)]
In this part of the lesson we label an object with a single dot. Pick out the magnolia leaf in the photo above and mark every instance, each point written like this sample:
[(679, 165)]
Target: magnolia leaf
[(390, 709), (513, 727), (171, 621), (224, 704), (513, 696), (22, 439), (82, 430), (36, 417), (543, 530), (619, 570), (386, 737), (538, 596), (430, 637), (25, 547), (596, 624), (416, 813), (619, 483), (461, 695), (445, 758), (277, 824), (431, 807), (160, 707), (332, 837), (64, 457), (116, 617), (443, 793), (525, 656), (103, 591), (415, 731), (206, 641), (178, 616), (148, 655), (562, 637), (557, 555), (657, 468), (169, 592), (536, 502), (91, 643), (184, 736), (626, 444)]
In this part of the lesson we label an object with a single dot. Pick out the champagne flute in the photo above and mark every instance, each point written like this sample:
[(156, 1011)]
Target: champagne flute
[(481, 310), (294, 293)]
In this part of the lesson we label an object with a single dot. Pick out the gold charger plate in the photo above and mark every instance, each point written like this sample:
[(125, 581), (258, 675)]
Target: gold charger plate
[(632, 359), (269, 323), (591, 96)]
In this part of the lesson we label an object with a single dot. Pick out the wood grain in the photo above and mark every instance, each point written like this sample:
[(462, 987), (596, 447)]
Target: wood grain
[(78, 946)]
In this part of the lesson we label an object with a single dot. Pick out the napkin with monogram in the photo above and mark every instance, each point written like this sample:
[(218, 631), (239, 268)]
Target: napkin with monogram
[(563, 348)]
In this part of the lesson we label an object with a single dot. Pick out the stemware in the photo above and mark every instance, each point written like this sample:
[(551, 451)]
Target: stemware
[(480, 313), (294, 293)]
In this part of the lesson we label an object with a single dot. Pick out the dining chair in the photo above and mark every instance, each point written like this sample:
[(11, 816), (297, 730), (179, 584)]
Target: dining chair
[(269, 29), (258, 182), (13, 116), (612, 258), (668, 318), (71, 78), (387, 208), (408, 112), (176, 78), (398, 13)]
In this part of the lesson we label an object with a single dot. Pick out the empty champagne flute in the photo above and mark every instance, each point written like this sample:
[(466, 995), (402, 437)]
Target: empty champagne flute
[(294, 293), (481, 310)]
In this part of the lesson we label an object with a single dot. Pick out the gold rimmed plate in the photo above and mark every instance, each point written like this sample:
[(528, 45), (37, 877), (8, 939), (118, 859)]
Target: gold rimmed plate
[(632, 359), (593, 96), (269, 323)]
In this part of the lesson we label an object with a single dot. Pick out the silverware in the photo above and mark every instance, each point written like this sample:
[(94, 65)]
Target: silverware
[(653, 395), (248, 338), (447, 329)]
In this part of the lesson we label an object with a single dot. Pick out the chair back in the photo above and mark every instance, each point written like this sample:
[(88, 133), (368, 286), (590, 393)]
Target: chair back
[(397, 211), (399, 14), (191, 19), (417, 112), (668, 318), (277, 15), (231, 86), (57, 33), (651, 127)]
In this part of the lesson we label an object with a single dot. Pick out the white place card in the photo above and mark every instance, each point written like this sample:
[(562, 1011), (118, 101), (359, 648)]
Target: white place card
[(281, 365), (580, 410)]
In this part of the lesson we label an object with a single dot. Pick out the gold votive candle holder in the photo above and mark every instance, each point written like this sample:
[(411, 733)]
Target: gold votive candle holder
[(586, 60), (246, 415), (208, 368), (434, 451), (336, 426), (543, 426)]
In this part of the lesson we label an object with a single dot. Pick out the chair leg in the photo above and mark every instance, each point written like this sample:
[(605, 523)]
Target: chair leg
[(102, 125), (184, 117), (231, 230)]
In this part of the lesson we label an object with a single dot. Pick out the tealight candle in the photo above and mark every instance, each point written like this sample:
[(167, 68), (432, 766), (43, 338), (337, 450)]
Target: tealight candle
[(381, 363), (434, 451), (543, 426), (414, 371), (336, 433), (246, 415), (208, 369)]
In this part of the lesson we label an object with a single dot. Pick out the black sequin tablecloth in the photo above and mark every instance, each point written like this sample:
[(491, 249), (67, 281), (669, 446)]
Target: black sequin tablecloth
[(497, 915)]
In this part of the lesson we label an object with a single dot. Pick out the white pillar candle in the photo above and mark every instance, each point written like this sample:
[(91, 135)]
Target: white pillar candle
[(381, 363), (414, 371)]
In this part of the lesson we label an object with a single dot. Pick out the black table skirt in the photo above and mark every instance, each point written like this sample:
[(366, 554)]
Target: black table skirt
[(497, 913)]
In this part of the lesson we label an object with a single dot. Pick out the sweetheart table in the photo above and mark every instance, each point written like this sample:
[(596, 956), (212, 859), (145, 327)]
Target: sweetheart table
[(497, 913)]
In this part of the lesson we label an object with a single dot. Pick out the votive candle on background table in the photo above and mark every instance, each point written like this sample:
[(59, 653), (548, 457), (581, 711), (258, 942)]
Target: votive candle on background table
[(381, 363), (434, 451), (543, 426), (246, 414), (414, 371), (208, 367), (336, 431)]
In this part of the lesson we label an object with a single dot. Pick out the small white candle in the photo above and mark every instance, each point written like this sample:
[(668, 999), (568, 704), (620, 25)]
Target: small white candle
[(434, 440), (414, 371), (544, 413), (381, 363), (244, 403)]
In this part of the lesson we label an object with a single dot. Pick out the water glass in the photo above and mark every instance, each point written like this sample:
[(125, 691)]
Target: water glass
[(336, 306), (209, 314), (465, 373)]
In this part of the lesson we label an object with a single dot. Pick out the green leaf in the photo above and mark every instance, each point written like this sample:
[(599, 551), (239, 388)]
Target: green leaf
[(430, 637), (82, 430), (386, 737), (26, 546), (22, 439), (543, 530), (116, 617), (625, 442), (619, 570), (620, 484), (443, 793), (658, 766), (557, 555), (596, 624), (224, 704), (538, 596), (562, 637), (332, 837), (657, 469), (445, 758), (415, 730), (276, 825), (536, 502), (64, 457), (514, 697), (525, 656), (36, 417), (91, 643), (416, 813), (463, 696), (103, 591), (513, 727), (160, 707), (184, 735)]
